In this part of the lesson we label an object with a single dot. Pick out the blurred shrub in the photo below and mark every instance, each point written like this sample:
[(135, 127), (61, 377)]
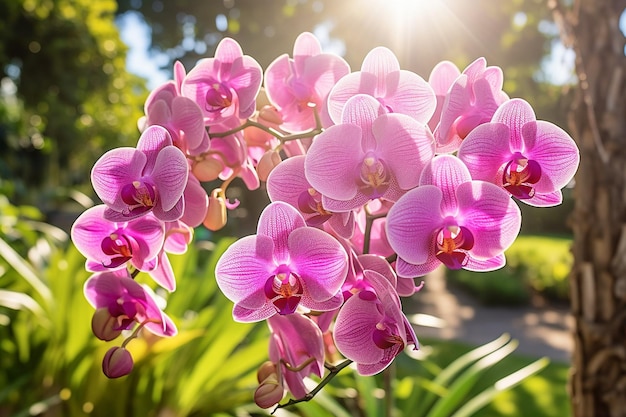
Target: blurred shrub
[(536, 265)]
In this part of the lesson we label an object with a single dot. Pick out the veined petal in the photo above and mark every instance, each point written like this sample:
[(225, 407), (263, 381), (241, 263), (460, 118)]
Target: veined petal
[(278, 221), (151, 141), (411, 95), (170, 176), (555, 151), (362, 110), (88, 230), (405, 145), (485, 150), (446, 172), (333, 160), (175, 213), (443, 76), (163, 274), (187, 116), (491, 215), (112, 171), (243, 314), (319, 260), (552, 199), (228, 50), (412, 221), (287, 181), (243, 269), (380, 62), (276, 74), (149, 233), (196, 202), (407, 270), (515, 113), (347, 87), (485, 265), (354, 328), (306, 45)]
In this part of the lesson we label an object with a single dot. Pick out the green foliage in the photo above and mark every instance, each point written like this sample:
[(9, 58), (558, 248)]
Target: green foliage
[(50, 363), (535, 265), (66, 96), (447, 379)]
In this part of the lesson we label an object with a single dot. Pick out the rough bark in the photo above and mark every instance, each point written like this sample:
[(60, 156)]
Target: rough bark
[(597, 121)]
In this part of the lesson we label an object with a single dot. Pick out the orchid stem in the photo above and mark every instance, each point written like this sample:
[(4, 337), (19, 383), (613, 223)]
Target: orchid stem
[(333, 371)]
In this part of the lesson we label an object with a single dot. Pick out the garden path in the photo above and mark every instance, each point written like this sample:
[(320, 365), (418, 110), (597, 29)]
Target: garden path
[(442, 312)]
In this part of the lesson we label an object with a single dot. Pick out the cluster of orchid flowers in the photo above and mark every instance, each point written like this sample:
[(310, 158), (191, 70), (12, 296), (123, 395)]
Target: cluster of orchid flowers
[(376, 177)]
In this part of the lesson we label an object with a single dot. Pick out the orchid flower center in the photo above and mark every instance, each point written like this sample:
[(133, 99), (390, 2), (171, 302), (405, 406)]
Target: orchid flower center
[(374, 176), (140, 196), (453, 242), (310, 202), (118, 247), (519, 175), (284, 290), (218, 97), (301, 92)]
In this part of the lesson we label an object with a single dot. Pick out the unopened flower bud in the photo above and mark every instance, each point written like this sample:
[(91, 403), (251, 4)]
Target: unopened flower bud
[(207, 169), (270, 390), (117, 362), (270, 115), (216, 213), (267, 163), (104, 325)]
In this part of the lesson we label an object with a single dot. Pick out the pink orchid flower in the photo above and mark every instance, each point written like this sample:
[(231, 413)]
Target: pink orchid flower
[(470, 101), (453, 220), (441, 78), (371, 328), (285, 265), (150, 178), (127, 303), (109, 245), (293, 84), (226, 85), (288, 183), (530, 159), (371, 154), (297, 348), (180, 115), (397, 90)]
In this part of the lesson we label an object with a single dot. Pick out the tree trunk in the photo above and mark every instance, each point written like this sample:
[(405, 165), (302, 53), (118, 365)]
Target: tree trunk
[(597, 121)]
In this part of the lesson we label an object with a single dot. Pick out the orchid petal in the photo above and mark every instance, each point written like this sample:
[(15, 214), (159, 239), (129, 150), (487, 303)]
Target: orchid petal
[(446, 172), (515, 113), (485, 150), (411, 222), (112, 171), (277, 221), (170, 175)]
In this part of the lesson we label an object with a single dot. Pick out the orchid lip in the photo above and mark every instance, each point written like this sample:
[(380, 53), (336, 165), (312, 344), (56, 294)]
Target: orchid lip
[(519, 175), (284, 290), (374, 176), (453, 244), (140, 196)]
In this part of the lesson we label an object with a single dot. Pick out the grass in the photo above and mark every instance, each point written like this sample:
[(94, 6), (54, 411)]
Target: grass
[(541, 395)]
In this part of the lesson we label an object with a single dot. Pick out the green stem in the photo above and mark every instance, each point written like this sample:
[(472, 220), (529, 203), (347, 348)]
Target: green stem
[(334, 370)]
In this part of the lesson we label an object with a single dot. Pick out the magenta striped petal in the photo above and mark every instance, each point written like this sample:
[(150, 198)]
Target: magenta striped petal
[(332, 160), (412, 221), (353, 330), (485, 150), (171, 170), (242, 270), (446, 172), (151, 142), (515, 113), (112, 171), (277, 221), (491, 215), (320, 260)]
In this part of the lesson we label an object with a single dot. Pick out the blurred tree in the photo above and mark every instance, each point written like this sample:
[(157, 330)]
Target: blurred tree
[(598, 279), (65, 95)]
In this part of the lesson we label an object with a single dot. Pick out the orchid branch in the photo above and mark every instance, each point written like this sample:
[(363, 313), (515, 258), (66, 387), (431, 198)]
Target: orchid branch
[(333, 371)]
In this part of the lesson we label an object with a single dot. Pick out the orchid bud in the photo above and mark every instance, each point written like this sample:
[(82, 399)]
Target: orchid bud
[(216, 213), (270, 390), (207, 169), (104, 325), (270, 115), (267, 163), (117, 362)]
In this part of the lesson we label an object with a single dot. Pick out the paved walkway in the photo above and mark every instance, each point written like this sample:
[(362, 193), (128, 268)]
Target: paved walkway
[(447, 313)]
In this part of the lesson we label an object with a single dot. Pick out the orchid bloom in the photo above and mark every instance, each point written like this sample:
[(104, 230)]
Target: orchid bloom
[(397, 90), (150, 178), (297, 349), (294, 84), (116, 295), (371, 328), (109, 245), (530, 159), (288, 183), (180, 115), (470, 101), (285, 265), (371, 154), (224, 86), (453, 220)]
